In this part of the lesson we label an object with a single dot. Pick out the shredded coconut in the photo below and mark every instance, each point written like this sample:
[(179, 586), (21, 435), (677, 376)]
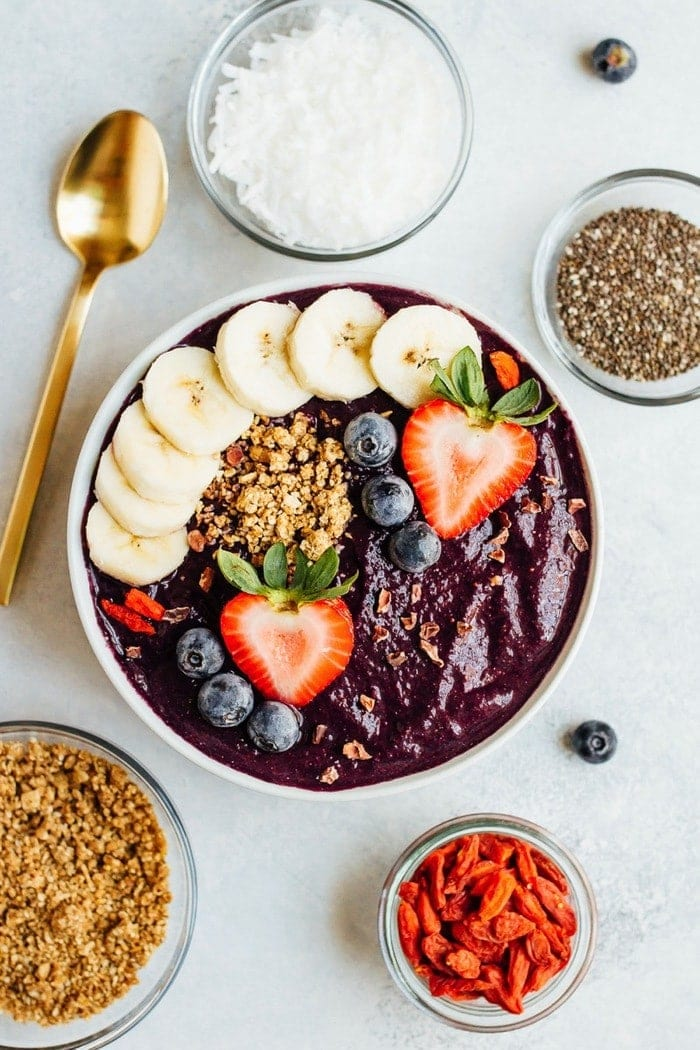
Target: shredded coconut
[(338, 135)]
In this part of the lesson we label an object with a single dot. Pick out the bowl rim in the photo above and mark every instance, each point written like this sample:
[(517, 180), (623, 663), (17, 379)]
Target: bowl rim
[(80, 489), (198, 151), (445, 831), (544, 256), (84, 738)]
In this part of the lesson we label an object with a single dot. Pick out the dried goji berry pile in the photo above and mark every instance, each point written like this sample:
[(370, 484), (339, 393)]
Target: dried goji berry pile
[(486, 915)]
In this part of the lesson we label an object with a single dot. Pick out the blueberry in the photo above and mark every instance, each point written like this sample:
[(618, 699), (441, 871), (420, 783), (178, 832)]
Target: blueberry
[(225, 700), (274, 726), (387, 500), (594, 741), (200, 653), (415, 547), (614, 60), (370, 440)]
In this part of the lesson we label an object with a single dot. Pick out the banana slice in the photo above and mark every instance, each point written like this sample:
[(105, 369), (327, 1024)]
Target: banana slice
[(152, 466), (132, 559), (143, 517), (251, 352), (186, 400), (405, 344), (330, 344)]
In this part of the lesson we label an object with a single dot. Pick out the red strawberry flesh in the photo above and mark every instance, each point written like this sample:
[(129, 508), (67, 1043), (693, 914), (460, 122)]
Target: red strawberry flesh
[(462, 471), (289, 655)]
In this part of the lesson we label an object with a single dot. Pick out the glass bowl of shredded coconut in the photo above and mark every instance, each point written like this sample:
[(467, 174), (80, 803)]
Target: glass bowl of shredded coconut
[(331, 129), (616, 286)]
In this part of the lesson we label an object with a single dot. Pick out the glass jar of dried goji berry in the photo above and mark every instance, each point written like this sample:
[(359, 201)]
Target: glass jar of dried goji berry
[(487, 922)]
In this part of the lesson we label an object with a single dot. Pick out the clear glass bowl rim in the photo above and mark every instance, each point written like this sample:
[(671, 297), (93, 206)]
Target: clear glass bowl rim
[(544, 257), (83, 738), (210, 65), (497, 823)]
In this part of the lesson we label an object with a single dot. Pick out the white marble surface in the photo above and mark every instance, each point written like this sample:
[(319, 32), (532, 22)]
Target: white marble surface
[(285, 953)]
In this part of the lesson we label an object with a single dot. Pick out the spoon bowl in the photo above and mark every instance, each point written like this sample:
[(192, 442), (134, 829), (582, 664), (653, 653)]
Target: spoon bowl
[(110, 205), (112, 195)]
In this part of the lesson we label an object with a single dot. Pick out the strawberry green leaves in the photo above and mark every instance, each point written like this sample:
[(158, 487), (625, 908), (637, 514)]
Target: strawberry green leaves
[(464, 386), (310, 581)]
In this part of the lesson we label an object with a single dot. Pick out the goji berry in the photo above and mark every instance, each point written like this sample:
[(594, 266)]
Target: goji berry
[(528, 905), (427, 916), (127, 617), (464, 861), (550, 871), (487, 951), (497, 895), (145, 605), (434, 869), (455, 987), (539, 975), (495, 848), (409, 932), (435, 947), (506, 368), (484, 867), (463, 962), (497, 992), (408, 891), (537, 947), (554, 903), (518, 970), (478, 928), (456, 908), (524, 863), (508, 926), (557, 939)]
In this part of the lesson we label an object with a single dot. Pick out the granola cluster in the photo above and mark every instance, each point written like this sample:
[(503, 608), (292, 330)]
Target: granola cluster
[(277, 484), (83, 882)]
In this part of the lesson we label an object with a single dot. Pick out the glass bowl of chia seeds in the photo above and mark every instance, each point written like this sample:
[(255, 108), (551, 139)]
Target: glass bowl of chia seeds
[(616, 286)]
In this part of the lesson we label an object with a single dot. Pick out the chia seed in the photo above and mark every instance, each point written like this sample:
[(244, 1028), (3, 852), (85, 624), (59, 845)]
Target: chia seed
[(628, 293)]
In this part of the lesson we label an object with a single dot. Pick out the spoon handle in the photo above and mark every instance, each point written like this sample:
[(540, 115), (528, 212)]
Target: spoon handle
[(42, 432)]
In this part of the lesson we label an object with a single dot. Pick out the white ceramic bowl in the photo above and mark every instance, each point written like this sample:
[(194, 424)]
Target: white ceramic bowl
[(80, 489)]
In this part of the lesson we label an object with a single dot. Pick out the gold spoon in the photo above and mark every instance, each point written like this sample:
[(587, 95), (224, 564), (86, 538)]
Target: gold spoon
[(110, 205)]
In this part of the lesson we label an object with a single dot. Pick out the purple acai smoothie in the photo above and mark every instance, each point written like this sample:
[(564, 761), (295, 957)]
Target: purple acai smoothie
[(500, 626)]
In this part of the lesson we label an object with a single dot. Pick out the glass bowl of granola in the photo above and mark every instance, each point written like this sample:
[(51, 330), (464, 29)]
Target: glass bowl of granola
[(487, 922), (101, 889)]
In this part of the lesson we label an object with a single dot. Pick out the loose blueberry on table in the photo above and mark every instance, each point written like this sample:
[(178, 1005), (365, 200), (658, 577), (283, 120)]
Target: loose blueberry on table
[(594, 741), (614, 60), (420, 487)]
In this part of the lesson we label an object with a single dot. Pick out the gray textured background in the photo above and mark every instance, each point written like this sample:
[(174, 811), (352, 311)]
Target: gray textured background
[(284, 953)]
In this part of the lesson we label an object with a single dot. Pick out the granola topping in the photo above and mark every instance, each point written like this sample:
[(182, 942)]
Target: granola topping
[(396, 659), (287, 486), (329, 775), (83, 882), (383, 601), (356, 751), (367, 702), (318, 734), (578, 539), (431, 652), (410, 621)]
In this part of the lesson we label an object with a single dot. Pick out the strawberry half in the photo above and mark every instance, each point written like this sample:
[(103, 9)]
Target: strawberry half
[(290, 641), (464, 457)]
